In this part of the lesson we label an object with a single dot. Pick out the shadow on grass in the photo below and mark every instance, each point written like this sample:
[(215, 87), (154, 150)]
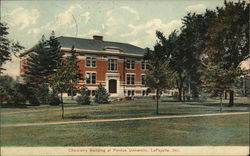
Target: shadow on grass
[(172, 113), (13, 106), (218, 104), (77, 117), (170, 100)]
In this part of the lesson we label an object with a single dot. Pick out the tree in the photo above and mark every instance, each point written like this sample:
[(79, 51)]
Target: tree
[(158, 76), (101, 96), (173, 51), (7, 47), (11, 92), (43, 60), (192, 41), (228, 40), (84, 98), (42, 64), (67, 73), (215, 79)]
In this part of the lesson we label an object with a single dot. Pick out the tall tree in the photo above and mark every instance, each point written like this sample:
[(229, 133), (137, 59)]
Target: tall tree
[(158, 76), (228, 40), (192, 40), (7, 47), (43, 60), (175, 50), (215, 79), (67, 73), (42, 63)]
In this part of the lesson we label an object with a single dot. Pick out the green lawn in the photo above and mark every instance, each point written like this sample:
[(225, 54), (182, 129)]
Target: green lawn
[(214, 130), (121, 109), (227, 130)]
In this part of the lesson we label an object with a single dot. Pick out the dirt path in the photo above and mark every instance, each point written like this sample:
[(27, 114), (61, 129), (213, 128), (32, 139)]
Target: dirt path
[(122, 119)]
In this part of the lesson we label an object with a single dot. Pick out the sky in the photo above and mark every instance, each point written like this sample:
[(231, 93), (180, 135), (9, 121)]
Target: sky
[(126, 21)]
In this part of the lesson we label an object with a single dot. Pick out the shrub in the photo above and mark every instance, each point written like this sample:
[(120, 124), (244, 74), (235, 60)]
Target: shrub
[(84, 98), (10, 91), (33, 100), (101, 96), (53, 100)]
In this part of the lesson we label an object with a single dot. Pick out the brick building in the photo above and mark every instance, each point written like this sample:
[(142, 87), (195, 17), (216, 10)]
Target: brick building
[(119, 67)]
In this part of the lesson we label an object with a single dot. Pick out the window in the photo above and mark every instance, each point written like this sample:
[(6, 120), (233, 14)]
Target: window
[(90, 78), (144, 65), (130, 64), (112, 64), (90, 62), (131, 92), (130, 78), (93, 92), (143, 79), (143, 93)]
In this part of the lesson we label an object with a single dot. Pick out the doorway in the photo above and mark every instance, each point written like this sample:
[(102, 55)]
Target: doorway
[(112, 86)]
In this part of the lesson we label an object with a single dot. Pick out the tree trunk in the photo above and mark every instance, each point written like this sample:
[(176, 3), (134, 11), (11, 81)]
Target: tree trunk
[(225, 94), (180, 88), (179, 93), (231, 98), (220, 102), (72, 94), (62, 105), (157, 102), (1, 100), (184, 95)]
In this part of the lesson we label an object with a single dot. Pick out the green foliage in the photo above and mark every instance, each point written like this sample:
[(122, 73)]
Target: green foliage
[(34, 101), (159, 75), (67, 74), (101, 96), (185, 50), (10, 91), (53, 99), (84, 98), (43, 60), (217, 80), (227, 44), (7, 47)]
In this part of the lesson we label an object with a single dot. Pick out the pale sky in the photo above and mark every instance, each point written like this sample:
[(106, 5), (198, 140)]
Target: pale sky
[(126, 21)]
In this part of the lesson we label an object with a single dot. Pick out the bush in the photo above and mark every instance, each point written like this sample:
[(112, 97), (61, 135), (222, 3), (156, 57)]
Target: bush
[(42, 93), (34, 101), (53, 100), (84, 98), (10, 91), (101, 96)]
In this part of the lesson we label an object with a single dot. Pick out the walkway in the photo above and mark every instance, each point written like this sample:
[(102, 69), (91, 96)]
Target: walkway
[(119, 120)]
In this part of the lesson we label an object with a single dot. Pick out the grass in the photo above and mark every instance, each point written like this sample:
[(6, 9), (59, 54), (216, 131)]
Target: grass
[(216, 130), (202, 131), (121, 109)]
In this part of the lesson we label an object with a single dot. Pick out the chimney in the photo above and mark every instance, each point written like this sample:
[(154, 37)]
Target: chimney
[(98, 38)]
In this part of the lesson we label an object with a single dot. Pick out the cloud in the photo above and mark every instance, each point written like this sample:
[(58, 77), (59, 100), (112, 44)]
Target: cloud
[(131, 11), (90, 33), (151, 26), (145, 32), (117, 18), (196, 8), (62, 21), (135, 42), (23, 17), (66, 16), (86, 15)]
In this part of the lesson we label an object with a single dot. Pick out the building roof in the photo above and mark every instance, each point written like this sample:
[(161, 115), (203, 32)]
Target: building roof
[(90, 44)]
